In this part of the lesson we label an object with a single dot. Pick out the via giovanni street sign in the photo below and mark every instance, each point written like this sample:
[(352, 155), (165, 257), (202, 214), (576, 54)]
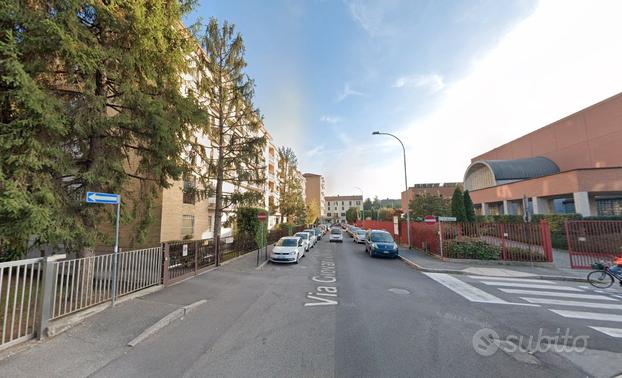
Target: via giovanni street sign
[(447, 219), (110, 199), (105, 198)]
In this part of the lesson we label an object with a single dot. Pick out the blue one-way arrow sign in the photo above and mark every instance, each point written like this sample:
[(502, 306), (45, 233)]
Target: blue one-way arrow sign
[(107, 198)]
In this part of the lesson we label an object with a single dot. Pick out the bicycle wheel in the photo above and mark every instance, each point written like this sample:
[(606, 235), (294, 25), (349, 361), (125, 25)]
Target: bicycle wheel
[(600, 279)]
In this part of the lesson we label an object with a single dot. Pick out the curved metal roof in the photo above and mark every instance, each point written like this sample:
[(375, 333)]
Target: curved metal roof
[(520, 169)]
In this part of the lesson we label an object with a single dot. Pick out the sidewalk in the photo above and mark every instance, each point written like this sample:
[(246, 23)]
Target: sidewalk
[(427, 263), (103, 337)]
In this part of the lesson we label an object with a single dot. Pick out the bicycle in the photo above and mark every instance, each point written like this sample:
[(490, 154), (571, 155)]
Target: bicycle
[(603, 276)]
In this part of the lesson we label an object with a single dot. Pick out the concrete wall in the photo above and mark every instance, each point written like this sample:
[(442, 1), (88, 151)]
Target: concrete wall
[(590, 138)]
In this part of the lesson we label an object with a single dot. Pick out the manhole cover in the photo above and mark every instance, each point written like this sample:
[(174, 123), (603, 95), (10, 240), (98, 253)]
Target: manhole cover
[(399, 291)]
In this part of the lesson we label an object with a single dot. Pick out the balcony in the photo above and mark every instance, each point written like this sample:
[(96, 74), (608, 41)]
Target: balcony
[(272, 159)]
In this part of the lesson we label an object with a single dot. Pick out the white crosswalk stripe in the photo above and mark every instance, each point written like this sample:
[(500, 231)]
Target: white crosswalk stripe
[(557, 294), (613, 332), (589, 315), (511, 279), (467, 291), (607, 306), (531, 286), (564, 300)]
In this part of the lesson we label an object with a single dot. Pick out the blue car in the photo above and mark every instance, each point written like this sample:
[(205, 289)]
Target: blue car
[(380, 243)]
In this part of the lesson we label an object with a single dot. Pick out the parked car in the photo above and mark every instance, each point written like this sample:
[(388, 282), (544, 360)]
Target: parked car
[(380, 243), (318, 233), (306, 239), (288, 249), (336, 235), (359, 236), (313, 239), (353, 230)]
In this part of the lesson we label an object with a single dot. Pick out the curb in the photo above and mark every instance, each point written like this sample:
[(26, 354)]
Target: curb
[(460, 272), (168, 319)]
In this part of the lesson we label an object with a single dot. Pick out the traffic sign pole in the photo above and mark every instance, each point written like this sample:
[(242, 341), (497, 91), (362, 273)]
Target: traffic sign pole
[(116, 256)]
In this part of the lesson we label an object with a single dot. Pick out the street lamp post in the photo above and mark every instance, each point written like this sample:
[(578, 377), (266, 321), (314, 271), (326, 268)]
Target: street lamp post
[(405, 183), (360, 190)]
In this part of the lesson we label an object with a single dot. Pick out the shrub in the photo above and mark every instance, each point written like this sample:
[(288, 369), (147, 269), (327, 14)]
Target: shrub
[(471, 248)]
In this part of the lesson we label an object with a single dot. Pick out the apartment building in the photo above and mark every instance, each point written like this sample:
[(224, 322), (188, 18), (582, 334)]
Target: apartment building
[(336, 206), (271, 193), (315, 192), (432, 189)]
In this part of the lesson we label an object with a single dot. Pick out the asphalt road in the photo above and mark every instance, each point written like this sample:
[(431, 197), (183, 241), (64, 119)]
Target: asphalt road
[(336, 313)]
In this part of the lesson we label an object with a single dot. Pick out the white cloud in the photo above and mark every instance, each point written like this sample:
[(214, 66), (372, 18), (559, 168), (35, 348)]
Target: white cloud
[(315, 151), (431, 82), (371, 15), (347, 92), (560, 59), (331, 119)]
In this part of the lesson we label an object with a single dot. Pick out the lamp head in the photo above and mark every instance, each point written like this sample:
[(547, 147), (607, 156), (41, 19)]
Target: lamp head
[(376, 133)]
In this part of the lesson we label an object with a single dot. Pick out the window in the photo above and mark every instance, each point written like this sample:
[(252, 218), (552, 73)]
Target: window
[(358, 202), (350, 203), (328, 214), (187, 226), (189, 192), (343, 208), (343, 214), (609, 206)]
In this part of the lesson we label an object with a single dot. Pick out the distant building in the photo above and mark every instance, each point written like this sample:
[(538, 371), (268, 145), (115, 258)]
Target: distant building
[(573, 165), (315, 191), (336, 206), (433, 189)]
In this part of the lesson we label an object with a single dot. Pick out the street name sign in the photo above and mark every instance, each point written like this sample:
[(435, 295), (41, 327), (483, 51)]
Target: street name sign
[(105, 198), (447, 219)]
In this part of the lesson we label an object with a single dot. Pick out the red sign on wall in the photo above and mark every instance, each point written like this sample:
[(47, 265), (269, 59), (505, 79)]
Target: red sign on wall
[(262, 217), (429, 219)]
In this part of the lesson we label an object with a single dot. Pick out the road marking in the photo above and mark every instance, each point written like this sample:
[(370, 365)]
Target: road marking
[(589, 315), (557, 294), (613, 332), (531, 286), (572, 303), (469, 292), (511, 279)]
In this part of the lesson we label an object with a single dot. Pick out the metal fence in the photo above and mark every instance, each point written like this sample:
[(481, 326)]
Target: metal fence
[(20, 283), (85, 282), (593, 241), (526, 242)]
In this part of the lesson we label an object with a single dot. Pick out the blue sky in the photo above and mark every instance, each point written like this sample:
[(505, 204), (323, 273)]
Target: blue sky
[(453, 79)]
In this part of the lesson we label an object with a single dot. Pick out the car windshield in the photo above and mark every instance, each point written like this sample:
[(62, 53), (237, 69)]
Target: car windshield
[(303, 235), (360, 233), (310, 232), (287, 243), (382, 237), (335, 231)]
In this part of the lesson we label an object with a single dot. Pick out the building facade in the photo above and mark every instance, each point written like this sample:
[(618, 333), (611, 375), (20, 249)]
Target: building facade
[(573, 165), (336, 206), (315, 192), (433, 189)]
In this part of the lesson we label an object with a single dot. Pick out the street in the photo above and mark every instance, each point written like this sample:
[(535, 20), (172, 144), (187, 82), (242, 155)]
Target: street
[(337, 313)]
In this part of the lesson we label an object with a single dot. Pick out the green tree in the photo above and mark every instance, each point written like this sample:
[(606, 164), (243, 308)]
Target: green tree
[(91, 100), (469, 209), (428, 204), (367, 204), (457, 205), (352, 214), (291, 200), (236, 126), (386, 214)]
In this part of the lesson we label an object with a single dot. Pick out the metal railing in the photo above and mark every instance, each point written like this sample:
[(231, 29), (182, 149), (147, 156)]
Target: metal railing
[(591, 241), (85, 282), (20, 283)]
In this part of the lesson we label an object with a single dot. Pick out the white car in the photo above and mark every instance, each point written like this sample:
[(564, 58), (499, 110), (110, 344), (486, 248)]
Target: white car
[(313, 237), (359, 236), (336, 235), (306, 239), (288, 249)]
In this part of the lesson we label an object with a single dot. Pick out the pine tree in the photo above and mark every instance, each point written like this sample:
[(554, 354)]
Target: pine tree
[(235, 129), (469, 209), (291, 200), (91, 99), (457, 205)]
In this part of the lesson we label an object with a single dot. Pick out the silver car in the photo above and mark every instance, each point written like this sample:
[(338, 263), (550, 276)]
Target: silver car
[(313, 239), (306, 239)]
